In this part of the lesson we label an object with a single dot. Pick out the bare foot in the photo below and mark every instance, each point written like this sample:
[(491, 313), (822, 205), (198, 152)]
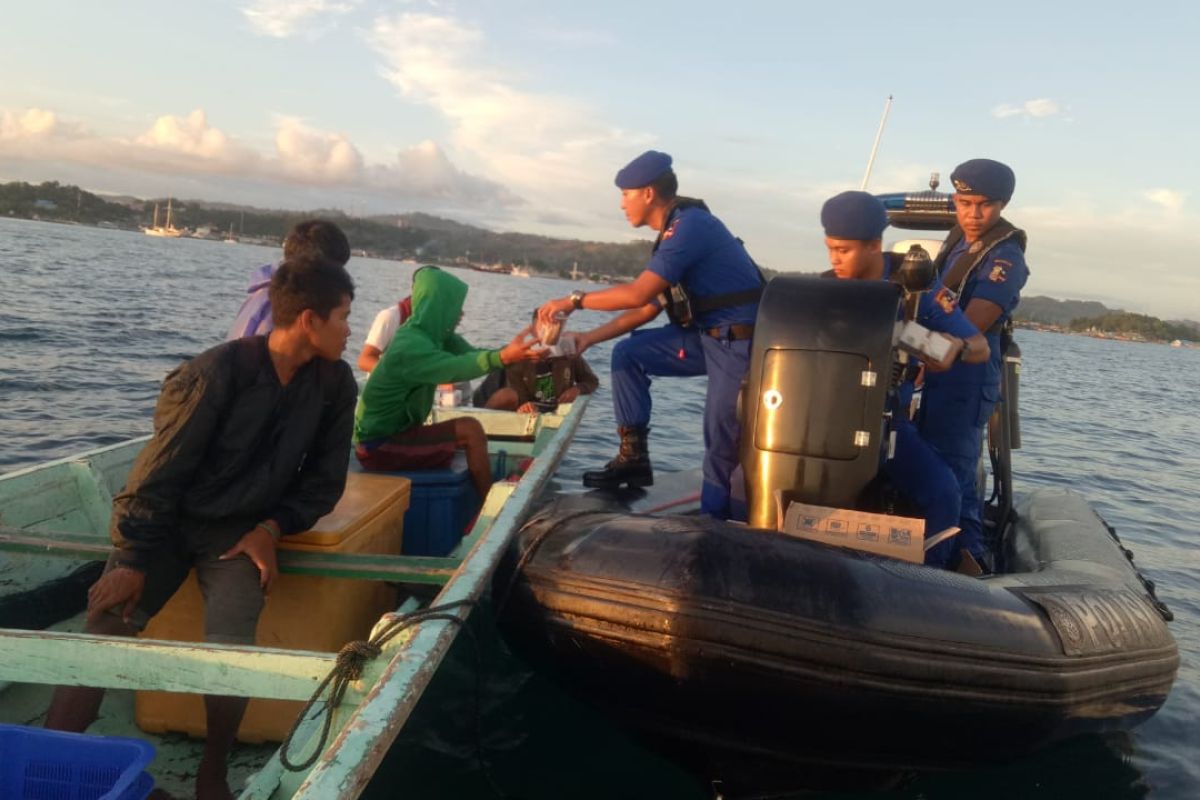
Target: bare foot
[(211, 783)]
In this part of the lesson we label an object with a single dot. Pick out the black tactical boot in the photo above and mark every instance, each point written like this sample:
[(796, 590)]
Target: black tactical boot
[(631, 466)]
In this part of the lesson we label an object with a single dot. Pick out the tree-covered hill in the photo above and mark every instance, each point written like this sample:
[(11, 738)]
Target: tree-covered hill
[(415, 236), (1048, 311), (1139, 326)]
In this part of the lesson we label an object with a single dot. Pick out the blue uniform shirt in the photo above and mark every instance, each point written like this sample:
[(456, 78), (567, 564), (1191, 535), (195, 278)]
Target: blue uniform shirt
[(699, 252), (999, 278)]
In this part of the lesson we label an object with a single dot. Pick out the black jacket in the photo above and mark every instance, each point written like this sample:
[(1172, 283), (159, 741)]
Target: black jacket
[(232, 447)]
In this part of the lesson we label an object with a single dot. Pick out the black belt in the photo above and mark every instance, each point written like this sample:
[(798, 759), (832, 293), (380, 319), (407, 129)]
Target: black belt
[(732, 332)]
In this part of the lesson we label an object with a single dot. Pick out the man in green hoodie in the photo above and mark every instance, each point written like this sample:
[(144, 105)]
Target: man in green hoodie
[(389, 433)]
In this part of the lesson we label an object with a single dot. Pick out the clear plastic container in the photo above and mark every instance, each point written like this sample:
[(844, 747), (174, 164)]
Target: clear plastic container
[(548, 332), (447, 396)]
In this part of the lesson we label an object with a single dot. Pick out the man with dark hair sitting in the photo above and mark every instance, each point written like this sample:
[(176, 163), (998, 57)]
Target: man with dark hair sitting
[(251, 442), (530, 386), (310, 241)]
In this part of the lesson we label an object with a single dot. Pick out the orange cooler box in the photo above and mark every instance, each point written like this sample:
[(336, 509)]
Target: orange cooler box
[(303, 612)]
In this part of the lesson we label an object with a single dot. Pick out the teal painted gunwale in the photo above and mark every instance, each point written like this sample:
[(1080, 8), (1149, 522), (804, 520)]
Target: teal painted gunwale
[(375, 708)]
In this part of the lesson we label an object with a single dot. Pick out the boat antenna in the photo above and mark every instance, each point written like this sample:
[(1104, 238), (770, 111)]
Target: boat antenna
[(875, 147)]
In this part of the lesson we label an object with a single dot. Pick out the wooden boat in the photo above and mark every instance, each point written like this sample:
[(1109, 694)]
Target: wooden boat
[(53, 527), (168, 231)]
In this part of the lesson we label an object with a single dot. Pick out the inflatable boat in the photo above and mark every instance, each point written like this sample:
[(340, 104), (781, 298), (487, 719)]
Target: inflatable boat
[(772, 662)]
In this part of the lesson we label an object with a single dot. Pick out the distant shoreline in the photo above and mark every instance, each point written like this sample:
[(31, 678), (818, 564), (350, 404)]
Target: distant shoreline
[(1115, 336), (423, 239), (414, 236)]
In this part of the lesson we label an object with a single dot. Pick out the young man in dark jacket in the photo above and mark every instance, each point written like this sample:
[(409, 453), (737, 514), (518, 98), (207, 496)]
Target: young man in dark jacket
[(251, 442)]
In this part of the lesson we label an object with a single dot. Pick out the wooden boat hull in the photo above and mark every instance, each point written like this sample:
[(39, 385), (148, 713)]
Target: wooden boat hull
[(53, 528)]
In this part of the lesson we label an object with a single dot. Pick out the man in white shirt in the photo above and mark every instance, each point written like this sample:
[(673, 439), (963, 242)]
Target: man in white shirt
[(381, 333)]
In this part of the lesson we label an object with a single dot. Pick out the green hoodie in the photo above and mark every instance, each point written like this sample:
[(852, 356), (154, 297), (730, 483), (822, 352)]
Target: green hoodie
[(425, 352)]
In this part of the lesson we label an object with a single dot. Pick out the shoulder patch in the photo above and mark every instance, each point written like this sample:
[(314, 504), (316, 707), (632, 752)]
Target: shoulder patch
[(945, 298), (999, 273), (670, 231)]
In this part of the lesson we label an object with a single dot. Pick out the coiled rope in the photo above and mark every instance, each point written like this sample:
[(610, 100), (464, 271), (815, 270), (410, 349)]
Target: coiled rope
[(351, 660)]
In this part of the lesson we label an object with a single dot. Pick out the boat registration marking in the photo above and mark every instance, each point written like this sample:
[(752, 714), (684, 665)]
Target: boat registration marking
[(1100, 621)]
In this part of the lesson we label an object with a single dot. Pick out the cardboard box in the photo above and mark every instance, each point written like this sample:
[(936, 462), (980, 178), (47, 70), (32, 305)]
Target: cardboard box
[(882, 534)]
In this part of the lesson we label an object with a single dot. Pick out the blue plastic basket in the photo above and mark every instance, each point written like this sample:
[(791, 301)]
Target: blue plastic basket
[(37, 764)]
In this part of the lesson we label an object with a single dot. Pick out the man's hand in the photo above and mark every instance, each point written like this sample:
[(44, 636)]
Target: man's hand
[(563, 305), (259, 546), (522, 348), (946, 363), (120, 585), (578, 338), (568, 396)]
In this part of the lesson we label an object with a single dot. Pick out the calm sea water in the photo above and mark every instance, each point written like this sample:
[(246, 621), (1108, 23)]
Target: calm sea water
[(91, 320)]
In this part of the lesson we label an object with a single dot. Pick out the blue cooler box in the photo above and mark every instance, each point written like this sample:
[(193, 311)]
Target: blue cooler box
[(442, 504)]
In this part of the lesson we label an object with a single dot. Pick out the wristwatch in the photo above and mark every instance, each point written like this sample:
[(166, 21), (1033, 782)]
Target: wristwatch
[(577, 298)]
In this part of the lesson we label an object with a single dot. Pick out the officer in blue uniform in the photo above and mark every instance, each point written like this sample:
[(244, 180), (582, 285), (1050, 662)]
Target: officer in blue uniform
[(697, 255), (983, 264), (854, 224)]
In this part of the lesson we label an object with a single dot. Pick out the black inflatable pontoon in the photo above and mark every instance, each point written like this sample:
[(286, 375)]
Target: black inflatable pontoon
[(757, 657)]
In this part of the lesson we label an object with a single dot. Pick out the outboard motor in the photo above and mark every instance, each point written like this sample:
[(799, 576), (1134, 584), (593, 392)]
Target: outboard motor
[(812, 410)]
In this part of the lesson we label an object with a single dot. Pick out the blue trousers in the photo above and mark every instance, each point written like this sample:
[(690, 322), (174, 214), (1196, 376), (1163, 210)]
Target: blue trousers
[(924, 477), (952, 419), (671, 351)]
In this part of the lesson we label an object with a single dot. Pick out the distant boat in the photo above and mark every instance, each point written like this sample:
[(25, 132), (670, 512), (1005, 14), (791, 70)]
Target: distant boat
[(168, 230), (1177, 343), (230, 238), (520, 272)]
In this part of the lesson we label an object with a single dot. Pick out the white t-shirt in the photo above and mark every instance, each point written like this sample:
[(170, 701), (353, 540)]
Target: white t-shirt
[(383, 329)]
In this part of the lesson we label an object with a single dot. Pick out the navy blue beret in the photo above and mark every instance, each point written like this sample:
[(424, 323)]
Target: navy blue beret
[(643, 170), (854, 215), (986, 177)]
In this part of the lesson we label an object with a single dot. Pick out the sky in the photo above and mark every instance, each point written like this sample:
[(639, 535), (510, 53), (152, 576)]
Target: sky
[(516, 115)]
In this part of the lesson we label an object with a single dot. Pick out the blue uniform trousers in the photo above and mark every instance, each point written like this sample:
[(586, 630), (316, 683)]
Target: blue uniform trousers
[(924, 477), (656, 353), (952, 419)]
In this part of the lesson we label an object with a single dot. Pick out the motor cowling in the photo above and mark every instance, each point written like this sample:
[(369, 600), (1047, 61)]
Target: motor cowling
[(813, 423)]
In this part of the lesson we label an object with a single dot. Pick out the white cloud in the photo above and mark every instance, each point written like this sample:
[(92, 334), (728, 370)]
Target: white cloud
[(192, 136), (316, 156), (1170, 199), (424, 170), (1036, 109), (540, 144), (28, 123), (284, 18), (303, 156)]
